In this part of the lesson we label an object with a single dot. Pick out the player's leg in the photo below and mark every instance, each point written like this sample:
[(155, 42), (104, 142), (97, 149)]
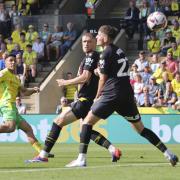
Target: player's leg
[(99, 139), (8, 113), (65, 118), (81, 109), (130, 113), (100, 110), (154, 139), (8, 126), (27, 129), (62, 120), (85, 137)]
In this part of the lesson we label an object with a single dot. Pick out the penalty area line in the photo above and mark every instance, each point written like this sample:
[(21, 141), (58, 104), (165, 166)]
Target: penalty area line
[(84, 168)]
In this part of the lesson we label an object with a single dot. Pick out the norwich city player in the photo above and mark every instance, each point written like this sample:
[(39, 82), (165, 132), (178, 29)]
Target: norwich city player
[(10, 87)]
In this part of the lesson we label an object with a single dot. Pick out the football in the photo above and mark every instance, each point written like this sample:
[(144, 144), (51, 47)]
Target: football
[(156, 21)]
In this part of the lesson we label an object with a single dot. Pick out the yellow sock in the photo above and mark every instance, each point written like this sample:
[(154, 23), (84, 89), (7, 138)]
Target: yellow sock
[(37, 146)]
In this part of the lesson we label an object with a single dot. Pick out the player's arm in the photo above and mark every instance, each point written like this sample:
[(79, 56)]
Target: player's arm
[(102, 80), (83, 78), (3, 76), (28, 91)]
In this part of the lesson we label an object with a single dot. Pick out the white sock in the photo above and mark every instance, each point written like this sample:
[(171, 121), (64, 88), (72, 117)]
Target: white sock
[(81, 157), (43, 154), (168, 153), (111, 149)]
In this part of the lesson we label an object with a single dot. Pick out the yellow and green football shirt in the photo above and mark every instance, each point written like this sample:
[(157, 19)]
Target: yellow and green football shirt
[(9, 87)]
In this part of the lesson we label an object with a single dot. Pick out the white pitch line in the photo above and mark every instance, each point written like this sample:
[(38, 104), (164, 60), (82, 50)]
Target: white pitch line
[(84, 168)]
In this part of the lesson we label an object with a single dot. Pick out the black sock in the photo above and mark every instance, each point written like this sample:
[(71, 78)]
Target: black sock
[(52, 137), (100, 139), (153, 139), (85, 138)]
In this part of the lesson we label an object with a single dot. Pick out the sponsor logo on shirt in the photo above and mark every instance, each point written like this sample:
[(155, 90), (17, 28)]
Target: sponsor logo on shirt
[(88, 61)]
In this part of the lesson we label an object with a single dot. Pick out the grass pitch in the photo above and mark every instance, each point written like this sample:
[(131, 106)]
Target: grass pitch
[(142, 162)]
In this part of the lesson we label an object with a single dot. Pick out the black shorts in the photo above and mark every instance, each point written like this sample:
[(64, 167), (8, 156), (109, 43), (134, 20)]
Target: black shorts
[(124, 106), (80, 108)]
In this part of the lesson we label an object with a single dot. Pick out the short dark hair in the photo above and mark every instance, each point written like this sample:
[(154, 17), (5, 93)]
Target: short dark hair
[(11, 55), (22, 34), (110, 31), (29, 46), (88, 34), (141, 52)]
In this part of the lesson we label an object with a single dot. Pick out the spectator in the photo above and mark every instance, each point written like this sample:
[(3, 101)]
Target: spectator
[(34, 6), (55, 42), (146, 74), (175, 51), (155, 6), (20, 107), (22, 42), (176, 84), (20, 69), (138, 86), (153, 88), (90, 6), (145, 99), (141, 62), (69, 37), (24, 7), (170, 97), (144, 13), (14, 11), (30, 59), (5, 24), (62, 106), (166, 43), (45, 34), (139, 3), (31, 35), (165, 4), (158, 74), (176, 30), (133, 73), (161, 34), (175, 9), (155, 63), (16, 33), (10, 44), (162, 85), (132, 19), (38, 47), (171, 64), (154, 44), (14, 14), (69, 91), (2, 61), (2, 49), (16, 50)]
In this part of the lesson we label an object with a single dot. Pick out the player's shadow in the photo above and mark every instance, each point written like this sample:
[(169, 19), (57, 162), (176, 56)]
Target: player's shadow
[(20, 167)]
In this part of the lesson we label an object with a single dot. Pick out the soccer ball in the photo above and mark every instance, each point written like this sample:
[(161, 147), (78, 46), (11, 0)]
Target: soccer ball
[(156, 21)]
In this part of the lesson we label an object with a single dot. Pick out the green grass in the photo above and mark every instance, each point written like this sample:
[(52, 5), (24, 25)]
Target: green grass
[(142, 162)]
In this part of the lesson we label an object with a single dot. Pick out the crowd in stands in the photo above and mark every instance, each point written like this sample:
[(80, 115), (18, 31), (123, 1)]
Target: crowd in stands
[(156, 83), (31, 47), (155, 75), (138, 11)]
